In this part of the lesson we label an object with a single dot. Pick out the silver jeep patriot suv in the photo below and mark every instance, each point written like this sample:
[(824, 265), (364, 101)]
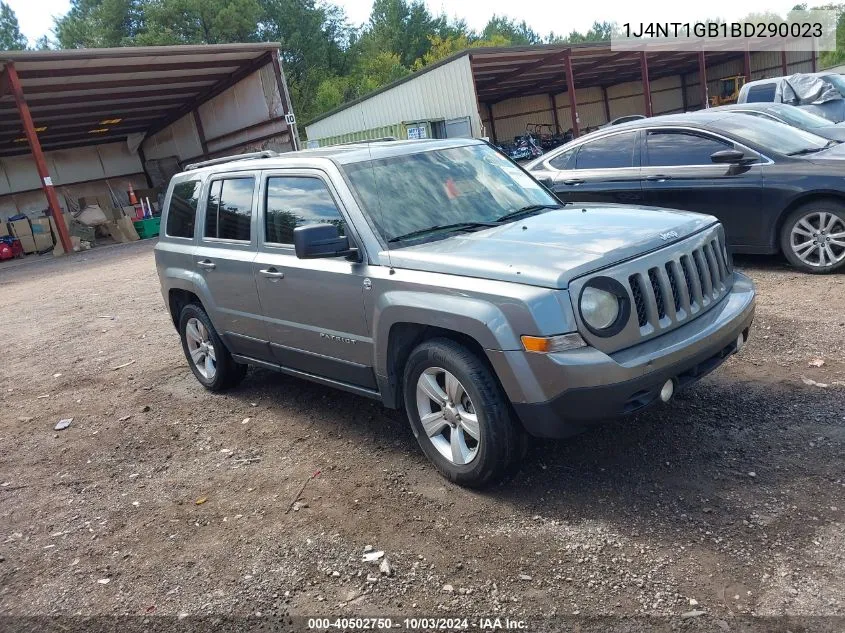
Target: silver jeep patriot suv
[(439, 277)]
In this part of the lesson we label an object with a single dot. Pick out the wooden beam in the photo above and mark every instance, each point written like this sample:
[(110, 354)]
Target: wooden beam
[(746, 64), (38, 157), (47, 137), (138, 84), (702, 80), (118, 98), (493, 136), (113, 110), (524, 68), (573, 101), (83, 71), (606, 104), (646, 84), (200, 131), (215, 90), (287, 106), (69, 124)]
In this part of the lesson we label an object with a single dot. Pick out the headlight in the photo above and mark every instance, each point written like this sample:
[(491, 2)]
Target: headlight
[(605, 306), (599, 308)]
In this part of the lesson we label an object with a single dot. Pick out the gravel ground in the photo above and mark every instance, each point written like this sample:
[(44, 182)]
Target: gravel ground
[(161, 498)]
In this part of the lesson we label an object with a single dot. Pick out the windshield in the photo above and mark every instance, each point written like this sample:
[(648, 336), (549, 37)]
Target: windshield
[(473, 184), (799, 118), (837, 82), (770, 135)]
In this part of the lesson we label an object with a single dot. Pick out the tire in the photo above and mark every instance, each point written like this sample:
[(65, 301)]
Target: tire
[(222, 372), (806, 226), (501, 442)]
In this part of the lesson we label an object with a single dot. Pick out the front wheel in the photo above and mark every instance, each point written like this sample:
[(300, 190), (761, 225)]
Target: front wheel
[(813, 237), (460, 415)]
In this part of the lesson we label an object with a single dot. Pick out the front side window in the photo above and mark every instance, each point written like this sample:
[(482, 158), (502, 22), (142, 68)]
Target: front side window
[(673, 149), (182, 212), (441, 188), (228, 215), (294, 201), (614, 151)]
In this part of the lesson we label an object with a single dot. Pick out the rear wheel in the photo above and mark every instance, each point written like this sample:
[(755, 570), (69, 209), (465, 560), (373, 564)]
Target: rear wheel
[(210, 361), (813, 237), (460, 415)]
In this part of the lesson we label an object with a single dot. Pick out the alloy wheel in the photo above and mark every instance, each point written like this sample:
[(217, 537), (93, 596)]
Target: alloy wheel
[(448, 415), (818, 239), (201, 348)]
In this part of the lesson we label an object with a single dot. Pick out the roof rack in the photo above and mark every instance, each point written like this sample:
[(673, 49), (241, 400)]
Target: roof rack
[(367, 141), (267, 153)]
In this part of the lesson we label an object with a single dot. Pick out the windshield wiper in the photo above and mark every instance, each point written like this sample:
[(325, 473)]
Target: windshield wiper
[(457, 226), (809, 150), (528, 210)]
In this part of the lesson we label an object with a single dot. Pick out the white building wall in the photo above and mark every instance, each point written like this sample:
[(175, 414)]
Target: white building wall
[(446, 92), (75, 172)]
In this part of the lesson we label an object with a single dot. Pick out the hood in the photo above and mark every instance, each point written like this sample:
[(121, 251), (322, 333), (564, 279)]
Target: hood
[(831, 156), (833, 132), (552, 248)]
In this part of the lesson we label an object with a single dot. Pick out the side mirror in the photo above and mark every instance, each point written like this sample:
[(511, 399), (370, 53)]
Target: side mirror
[(320, 241), (728, 157)]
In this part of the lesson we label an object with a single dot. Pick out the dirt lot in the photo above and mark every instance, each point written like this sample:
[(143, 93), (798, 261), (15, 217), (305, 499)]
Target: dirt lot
[(729, 500)]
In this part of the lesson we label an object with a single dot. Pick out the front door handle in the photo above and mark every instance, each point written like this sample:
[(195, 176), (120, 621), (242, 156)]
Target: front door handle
[(207, 264), (573, 181), (658, 178), (272, 273)]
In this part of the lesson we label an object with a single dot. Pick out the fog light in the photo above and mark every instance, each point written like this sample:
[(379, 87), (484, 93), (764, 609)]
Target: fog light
[(740, 341), (667, 390)]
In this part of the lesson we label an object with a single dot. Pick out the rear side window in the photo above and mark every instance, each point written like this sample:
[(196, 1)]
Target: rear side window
[(228, 215), (294, 201), (672, 149), (764, 93), (614, 151), (182, 212)]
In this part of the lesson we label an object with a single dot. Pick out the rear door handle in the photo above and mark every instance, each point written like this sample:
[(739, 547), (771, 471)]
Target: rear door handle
[(573, 181), (658, 178), (207, 264), (272, 273)]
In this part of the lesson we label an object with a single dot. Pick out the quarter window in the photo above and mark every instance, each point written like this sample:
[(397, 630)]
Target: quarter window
[(614, 151), (294, 201), (182, 212), (668, 149), (228, 214)]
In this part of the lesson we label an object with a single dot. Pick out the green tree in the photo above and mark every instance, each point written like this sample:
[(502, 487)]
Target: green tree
[(199, 22), (517, 33), (99, 23), (402, 28), (11, 37)]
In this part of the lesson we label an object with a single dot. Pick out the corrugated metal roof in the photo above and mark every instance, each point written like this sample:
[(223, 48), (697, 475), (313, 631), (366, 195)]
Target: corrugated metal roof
[(70, 93), (506, 71)]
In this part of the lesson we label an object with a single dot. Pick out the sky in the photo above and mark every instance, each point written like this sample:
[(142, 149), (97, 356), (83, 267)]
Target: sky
[(542, 15)]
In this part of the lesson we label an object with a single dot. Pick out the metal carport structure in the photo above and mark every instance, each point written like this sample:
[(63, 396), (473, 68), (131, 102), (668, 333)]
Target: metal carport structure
[(58, 100), (588, 83)]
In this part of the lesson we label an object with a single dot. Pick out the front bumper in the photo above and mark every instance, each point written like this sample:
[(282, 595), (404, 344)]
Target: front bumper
[(558, 395)]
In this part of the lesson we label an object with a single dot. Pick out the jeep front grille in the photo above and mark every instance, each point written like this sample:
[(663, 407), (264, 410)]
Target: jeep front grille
[(661, 301), (668, 288)]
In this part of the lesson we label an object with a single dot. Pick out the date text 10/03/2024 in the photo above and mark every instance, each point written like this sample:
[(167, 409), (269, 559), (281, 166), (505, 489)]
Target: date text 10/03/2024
[(411, 624)]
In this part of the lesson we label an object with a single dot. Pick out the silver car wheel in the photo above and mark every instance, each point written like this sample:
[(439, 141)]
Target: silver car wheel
[(448, 416), (201, 348), (818, 239)]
